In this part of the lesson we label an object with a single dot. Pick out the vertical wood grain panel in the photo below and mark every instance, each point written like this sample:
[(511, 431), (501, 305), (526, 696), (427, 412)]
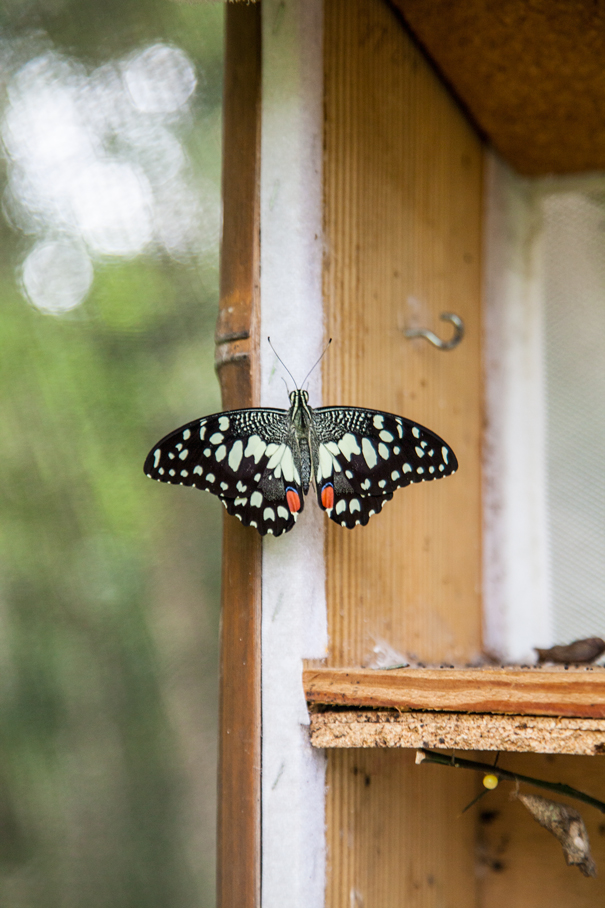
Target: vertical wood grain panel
[(238, 835), (391, 843), (403, 223), (403, 175)]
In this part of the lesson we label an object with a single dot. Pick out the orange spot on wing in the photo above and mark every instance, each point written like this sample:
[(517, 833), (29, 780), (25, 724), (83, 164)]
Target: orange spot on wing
[(327, 497), (293, 499)]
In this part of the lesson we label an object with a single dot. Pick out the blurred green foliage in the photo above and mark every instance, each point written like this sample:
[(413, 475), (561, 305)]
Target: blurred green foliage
[(108, 582)]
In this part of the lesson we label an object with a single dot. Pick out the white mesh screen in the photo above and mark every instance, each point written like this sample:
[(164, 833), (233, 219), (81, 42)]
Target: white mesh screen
[(574, 326)]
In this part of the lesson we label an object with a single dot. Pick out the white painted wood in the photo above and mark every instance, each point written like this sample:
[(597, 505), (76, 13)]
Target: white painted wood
[(294, 625), (516, 576)]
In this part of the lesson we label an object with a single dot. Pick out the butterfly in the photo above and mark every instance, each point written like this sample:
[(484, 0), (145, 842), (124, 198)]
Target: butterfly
[(261, 461)]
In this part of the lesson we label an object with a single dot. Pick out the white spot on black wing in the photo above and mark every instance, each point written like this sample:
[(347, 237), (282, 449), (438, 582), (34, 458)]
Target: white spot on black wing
[(235, 455), (369, 453)]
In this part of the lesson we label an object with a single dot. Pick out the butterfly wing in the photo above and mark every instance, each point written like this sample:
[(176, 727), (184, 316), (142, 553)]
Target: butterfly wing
[(362, 456), (244, 457)]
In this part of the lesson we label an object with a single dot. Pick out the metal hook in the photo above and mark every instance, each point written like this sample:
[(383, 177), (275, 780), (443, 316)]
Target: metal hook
[(436, 341)]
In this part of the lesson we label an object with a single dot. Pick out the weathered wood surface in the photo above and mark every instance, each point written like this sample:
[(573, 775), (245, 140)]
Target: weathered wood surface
[(540, 692), (458, 731), (238, 838)]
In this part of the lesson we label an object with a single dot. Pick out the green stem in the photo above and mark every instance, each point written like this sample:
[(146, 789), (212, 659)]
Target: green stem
[(430, 756)]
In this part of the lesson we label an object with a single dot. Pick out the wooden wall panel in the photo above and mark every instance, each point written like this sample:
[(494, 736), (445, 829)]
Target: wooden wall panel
[(398, 845), (403, 173), (403, 176)]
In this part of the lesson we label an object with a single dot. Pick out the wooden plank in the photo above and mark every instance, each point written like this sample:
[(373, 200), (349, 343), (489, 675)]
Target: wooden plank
[(535, 692), (402, 183), (238, 881), (458, 731)]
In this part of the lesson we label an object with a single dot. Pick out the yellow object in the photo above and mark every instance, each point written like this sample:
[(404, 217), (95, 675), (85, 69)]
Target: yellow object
[(490, 781)]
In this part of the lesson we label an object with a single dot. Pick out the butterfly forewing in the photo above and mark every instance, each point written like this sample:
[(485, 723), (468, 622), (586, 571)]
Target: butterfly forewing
[(365, 455), (245, 457)]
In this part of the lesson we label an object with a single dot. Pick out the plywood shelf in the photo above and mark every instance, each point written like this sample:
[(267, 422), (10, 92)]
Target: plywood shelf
[(527, 710), (573, 692), (459, 731)]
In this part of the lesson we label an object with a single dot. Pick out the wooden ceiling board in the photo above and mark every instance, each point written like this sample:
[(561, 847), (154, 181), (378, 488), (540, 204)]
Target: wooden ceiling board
[(531, 75)]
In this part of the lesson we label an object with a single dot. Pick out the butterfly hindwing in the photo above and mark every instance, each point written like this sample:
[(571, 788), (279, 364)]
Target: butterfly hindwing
[(242, 456), (362, 456)]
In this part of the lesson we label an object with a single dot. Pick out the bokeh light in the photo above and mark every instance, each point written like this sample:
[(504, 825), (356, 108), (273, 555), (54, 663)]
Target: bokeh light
[(99, 156), (56, 276), (160, 79), (110, 156)]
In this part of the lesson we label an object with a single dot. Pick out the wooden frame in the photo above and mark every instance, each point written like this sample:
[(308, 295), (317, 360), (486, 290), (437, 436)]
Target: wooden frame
[(379, 583), (239, 781)]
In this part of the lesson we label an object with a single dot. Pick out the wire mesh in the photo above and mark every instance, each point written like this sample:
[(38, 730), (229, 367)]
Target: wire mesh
[(574, 336)]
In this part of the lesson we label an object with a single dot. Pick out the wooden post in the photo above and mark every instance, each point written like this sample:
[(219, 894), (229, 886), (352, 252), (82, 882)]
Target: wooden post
[(238, 839)]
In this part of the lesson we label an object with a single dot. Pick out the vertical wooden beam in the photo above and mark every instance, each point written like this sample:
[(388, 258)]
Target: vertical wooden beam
[(238, 838), (403, 213), (403, 201)]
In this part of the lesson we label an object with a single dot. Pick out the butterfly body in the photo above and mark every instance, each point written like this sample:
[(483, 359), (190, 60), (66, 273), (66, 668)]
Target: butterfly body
[(261, 462)]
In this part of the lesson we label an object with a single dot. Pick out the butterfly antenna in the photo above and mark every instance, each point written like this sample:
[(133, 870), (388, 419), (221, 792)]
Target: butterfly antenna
[(325, 350), (283, 363)]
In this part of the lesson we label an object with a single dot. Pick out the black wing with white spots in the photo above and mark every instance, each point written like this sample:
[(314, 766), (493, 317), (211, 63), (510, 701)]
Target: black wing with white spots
[(245, 457), (261, 462), (363, 456)]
